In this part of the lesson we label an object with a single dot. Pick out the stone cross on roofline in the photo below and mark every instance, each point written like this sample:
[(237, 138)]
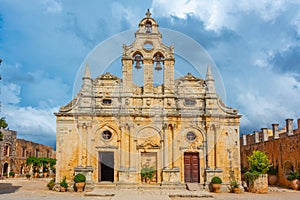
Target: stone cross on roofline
[(148, 13)]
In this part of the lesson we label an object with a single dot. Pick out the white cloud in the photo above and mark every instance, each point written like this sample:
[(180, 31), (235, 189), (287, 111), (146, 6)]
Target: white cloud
[(10, 93), (268, 98), (218, 14), (53, 6)]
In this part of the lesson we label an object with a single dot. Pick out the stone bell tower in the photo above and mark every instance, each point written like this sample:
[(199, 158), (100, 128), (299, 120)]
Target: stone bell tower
[(148, 53)]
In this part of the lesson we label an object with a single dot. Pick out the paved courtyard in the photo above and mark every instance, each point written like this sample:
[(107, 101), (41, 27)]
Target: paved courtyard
[(36, 189)]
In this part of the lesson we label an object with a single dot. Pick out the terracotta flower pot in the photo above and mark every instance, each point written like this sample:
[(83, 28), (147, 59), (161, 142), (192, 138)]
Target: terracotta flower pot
[(272, 179), (79, 186), (216, 187), (236, 190), (62, 189), (295, 184)]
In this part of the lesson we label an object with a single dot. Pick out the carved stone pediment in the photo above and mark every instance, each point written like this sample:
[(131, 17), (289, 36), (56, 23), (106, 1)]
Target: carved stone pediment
[(108, 76), (147, 144), (189, 77)]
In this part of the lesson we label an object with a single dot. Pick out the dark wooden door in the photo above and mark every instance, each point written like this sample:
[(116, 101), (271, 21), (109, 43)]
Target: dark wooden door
[(191, 167), (106, 166)]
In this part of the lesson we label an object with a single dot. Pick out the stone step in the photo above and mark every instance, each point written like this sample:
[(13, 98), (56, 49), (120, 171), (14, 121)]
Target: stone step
[(194, 187)]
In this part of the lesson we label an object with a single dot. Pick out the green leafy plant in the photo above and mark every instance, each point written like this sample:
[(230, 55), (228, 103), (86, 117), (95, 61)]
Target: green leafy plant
[(11, 174), (3, 123), (79, 178), (234, 184), (51, 184), (64, 183), (216, 180), (259, 162), (273, 170), (250, 177), (293, 175), (148, 173), (4, 174), (243, 169), (28, 175)]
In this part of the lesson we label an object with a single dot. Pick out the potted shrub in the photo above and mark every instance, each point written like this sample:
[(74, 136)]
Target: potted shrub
[(272, 175), (45, 172), (28, 176), (216, 183), (63, 184), (147, 173), (257, 178), (79, 180), (11, 174), (294, 178), (234, 186), (51, 184)]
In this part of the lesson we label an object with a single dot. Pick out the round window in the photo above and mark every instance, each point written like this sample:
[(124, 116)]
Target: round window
[(106, 135), (191, 136), (148, 46)]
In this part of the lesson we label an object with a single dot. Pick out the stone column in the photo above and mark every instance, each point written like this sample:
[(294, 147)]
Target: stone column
[(80, 148), (148, 76), (169, 76), (256, 136), (289, 127), (173, 145), (121, 164), (275, 131), (265, 134), (165, 146), (131, 148), (244, 139), (127, 74)]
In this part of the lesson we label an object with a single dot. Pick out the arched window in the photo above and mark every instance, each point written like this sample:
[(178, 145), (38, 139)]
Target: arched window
[(287, 167), (148, 27)]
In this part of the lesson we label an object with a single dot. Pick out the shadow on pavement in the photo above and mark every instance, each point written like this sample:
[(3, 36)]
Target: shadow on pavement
[(6, 188)]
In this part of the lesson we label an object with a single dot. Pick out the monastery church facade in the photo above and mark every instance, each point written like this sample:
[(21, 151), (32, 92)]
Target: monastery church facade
[(113, 129)]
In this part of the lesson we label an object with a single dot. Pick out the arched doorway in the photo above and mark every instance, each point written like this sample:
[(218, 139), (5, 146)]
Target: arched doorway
[(5, 169)]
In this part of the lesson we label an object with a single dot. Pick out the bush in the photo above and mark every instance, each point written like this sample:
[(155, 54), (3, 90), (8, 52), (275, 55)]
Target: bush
[(293, 175), (64, 183), (79, 178), (148, 172), (11, 174), (250, 177), (259, 162), (273, 170), (216, 180), (51, 184), (28, 175)]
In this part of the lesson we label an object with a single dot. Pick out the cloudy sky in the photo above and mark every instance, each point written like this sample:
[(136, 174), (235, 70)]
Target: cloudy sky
[(255, 45)]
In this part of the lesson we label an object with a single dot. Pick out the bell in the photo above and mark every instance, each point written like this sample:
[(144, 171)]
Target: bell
[(137, 60), (138, 65), (158, 66)]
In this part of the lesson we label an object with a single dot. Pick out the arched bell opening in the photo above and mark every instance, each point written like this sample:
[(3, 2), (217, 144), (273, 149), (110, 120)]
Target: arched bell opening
[(158, 64), (137, 63), (148, 27)]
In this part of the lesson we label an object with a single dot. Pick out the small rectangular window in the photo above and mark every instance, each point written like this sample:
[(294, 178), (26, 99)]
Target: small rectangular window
[(189, 102), (107, 101)]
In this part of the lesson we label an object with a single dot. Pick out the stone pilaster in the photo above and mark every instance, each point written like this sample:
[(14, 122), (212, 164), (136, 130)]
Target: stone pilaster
[(148, 76)]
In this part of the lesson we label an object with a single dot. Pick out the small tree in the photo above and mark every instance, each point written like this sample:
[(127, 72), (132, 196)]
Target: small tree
[(3, 124), (259, 162)]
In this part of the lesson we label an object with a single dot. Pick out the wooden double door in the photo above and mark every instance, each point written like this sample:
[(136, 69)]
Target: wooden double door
[(191, 167)]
